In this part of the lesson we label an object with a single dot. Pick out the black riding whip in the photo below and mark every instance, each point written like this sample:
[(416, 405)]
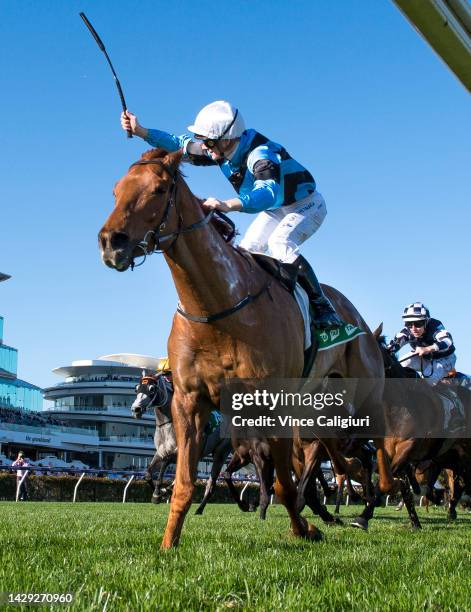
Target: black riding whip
[(102, 47)]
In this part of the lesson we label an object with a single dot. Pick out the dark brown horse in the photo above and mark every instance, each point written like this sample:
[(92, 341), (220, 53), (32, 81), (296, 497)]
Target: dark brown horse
[(409, 411), (233, 321)]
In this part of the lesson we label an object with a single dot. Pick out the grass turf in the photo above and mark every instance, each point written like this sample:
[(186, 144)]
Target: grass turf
[(108, 555)]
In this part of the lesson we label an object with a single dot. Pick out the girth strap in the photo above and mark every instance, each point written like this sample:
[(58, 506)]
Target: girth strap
[(248, 299)]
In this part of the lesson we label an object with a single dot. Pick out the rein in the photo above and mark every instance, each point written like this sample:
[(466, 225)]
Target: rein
[(156, 233), (159, 237)]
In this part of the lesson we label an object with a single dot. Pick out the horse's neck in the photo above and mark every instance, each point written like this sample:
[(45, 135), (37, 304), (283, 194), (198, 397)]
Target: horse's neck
[(208, 273), (164, 437)]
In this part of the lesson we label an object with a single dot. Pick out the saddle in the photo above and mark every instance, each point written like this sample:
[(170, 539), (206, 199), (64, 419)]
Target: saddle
[(287, 278), (275, 267)]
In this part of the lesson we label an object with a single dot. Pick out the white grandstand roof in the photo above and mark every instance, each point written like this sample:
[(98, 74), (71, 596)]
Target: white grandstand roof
[(145, 362), (97, 366)]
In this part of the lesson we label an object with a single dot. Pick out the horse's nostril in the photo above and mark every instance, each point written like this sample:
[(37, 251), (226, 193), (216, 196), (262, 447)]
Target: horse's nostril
[(119, 240), (102, 241)]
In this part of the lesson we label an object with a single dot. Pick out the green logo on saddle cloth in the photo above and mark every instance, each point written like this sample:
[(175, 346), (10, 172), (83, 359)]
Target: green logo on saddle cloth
[(327, 338)]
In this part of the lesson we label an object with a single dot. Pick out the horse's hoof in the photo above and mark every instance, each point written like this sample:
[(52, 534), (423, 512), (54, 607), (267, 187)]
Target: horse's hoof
[(452, 516), (156, 500), (336, 521), (416, 527), (199, 511), (314, 534), (360, 523), (244, 507)]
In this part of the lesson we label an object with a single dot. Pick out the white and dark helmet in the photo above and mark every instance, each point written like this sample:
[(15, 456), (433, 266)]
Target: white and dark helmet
[(416, 312), (218, 120)]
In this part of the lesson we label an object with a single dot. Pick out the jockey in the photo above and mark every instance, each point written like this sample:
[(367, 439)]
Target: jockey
[(433, 348), (268, 182)]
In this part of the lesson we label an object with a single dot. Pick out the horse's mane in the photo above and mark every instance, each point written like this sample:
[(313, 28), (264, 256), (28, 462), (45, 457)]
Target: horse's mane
[(222, 224)]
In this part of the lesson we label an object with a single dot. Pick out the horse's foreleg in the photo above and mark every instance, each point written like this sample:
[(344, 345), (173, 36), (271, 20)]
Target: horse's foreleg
[(235, 464), (323, 482), (313, 501), (408, 498), (340, 482), (219, 457), (310, 466), (455, 495), (386, 480), (286, 491), (150, 470), (189, 421), (157, 495), (340, 464), (264, 468)]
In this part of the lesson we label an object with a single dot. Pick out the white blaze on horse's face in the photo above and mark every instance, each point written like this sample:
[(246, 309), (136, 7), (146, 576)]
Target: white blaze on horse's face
[(140, 404), (140, 200)]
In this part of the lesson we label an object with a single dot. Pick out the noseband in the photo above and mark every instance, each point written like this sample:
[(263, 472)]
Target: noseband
[(156, 233)]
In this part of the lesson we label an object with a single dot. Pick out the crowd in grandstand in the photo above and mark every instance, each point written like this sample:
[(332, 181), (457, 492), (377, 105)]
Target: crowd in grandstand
[(19, 416)]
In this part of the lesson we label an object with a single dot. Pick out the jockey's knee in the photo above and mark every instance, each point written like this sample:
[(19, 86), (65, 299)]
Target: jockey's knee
[(253, 246), (286, 251)]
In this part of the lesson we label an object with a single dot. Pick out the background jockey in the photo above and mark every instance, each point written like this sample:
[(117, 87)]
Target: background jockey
[(268, 181), (434, 351)]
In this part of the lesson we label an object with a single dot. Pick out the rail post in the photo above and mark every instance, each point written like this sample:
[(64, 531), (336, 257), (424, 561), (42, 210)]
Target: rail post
[(126, 488), (243, 490), (76, 487), (18, 486)]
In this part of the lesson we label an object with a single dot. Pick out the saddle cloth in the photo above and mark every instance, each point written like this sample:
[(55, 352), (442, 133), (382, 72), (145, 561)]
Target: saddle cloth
[(453, 411), (325, 339)]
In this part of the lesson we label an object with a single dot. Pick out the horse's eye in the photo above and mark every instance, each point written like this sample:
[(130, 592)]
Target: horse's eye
[(151, 389), (159, 191)]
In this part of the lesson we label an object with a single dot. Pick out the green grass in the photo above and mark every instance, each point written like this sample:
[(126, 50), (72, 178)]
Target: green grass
[(108, 554)]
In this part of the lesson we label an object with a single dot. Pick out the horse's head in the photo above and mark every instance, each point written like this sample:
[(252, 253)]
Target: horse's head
[(144, 200), (152, 390), (392, 367)]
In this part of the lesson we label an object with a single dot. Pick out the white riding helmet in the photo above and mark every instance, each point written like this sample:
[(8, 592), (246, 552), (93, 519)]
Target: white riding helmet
[(416, 312), (218, 120)]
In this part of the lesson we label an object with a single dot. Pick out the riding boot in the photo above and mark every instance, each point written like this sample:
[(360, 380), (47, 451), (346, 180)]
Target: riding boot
[(325, 316)]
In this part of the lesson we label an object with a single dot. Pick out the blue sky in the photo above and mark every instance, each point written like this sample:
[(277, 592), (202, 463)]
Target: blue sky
[(348, 88)]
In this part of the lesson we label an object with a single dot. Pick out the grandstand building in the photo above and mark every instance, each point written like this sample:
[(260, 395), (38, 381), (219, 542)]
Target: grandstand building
[(98, 394), (14, 393), (22, 424)]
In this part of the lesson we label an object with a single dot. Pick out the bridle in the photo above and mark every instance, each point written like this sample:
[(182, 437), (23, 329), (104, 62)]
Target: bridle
[(156, 233), (161, 396), (173, 236)]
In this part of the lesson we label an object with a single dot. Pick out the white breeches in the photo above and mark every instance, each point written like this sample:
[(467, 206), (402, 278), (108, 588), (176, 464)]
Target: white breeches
[(432, 369), (280, 232)]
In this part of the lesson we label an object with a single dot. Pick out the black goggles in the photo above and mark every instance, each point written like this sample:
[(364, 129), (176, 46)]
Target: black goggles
[(417, 324), (210, 143)]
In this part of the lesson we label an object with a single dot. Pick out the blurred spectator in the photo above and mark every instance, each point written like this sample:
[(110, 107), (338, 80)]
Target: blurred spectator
[(22, 462)]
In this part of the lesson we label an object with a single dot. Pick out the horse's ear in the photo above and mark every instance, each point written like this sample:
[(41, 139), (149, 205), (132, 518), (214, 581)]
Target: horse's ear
[(172, 160), (378, 331)]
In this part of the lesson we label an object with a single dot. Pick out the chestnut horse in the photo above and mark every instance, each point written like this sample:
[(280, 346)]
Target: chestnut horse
[(233, 321)]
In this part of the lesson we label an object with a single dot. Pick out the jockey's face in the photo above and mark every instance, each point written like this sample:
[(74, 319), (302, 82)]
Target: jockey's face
[(220, 149), (417, 328)]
